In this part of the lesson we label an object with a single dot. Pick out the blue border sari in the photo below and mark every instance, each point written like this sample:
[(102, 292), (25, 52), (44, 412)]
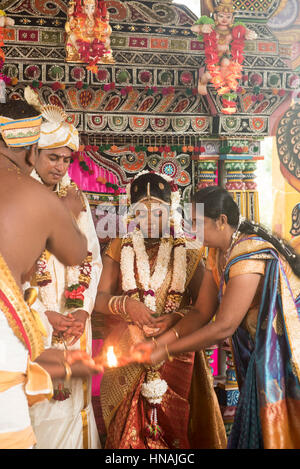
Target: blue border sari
[(268, 412)]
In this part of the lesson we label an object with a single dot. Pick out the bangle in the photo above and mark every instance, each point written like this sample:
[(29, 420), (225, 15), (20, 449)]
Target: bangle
[(109, 304), (68, 372), (175, 332), (154, 341), (124, 305), (180, 314), (168, 355), (116, 306)]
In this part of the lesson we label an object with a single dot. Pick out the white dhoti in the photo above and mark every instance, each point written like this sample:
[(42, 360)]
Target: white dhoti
[(68, 424), (15, 425)]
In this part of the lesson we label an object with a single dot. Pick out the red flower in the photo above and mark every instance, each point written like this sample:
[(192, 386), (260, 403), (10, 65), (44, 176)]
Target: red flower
[(75, 294), (55, 86), (238, 32)]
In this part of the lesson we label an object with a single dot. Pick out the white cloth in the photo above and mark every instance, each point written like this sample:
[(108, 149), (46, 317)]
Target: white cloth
[(59, 424), (14, 411), (55, 132)]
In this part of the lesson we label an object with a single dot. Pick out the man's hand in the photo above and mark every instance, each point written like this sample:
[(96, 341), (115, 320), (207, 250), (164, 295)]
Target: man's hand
[(59, 322), (73, 201), (77, 327)]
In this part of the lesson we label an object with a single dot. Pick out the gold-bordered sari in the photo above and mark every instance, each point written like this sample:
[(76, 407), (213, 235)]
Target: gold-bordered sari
[(189, 413), (266, 348)]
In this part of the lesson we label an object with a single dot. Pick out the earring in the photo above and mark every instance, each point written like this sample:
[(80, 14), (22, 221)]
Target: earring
[(222, 228)]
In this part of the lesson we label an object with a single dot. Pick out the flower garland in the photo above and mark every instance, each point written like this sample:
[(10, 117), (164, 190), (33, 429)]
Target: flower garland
[(134, 248), (77, 277)]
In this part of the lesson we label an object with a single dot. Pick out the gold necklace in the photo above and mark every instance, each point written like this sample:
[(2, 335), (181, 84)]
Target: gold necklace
[(15, 169), (227, 253), (223, 32)]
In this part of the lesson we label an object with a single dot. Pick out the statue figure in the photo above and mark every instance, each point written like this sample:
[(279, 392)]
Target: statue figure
[(88, 33), (5, 20), (224, 43)]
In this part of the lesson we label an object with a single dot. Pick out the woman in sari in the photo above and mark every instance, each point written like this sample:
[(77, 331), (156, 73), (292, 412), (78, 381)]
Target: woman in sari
[(252, 287), (149, 279)]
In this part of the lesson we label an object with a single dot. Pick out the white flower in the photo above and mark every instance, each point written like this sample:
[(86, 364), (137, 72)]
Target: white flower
[(154, 390), (127, 269)]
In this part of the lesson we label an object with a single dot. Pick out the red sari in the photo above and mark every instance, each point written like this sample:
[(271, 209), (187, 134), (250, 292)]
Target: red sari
[(188, 415)]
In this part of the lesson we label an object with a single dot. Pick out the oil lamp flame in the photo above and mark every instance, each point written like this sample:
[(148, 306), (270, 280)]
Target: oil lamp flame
[(111, 357)]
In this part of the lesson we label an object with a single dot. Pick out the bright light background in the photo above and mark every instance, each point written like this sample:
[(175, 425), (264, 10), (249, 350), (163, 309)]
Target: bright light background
[(193, 5)]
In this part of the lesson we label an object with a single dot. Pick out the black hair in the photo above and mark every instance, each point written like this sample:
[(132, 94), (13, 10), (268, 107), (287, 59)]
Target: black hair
[(159, 188), (218, 201), (17, 109)]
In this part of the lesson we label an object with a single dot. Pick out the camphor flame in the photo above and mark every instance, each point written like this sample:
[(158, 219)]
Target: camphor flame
[(111, 357)]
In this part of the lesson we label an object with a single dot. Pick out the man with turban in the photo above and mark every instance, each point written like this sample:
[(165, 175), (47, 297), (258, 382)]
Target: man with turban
[(26, 230), (66, 296)]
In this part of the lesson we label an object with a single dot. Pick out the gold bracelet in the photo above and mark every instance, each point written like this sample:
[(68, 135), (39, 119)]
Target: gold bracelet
[(180, 314), (109, 304), (154, 341), (168, 355), (175, 332), (124, 305), (68, 372)]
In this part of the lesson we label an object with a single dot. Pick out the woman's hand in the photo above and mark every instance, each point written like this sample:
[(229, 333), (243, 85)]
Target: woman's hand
[(139, 313), (148, 352), (82, 364), (165, 322), (141, 353)]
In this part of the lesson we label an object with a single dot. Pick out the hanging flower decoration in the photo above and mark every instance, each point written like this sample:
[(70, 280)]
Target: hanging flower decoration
[(225, 72)]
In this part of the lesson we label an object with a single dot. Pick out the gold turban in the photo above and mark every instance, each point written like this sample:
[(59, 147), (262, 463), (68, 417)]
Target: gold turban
[(55, 131), (224, 6)]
